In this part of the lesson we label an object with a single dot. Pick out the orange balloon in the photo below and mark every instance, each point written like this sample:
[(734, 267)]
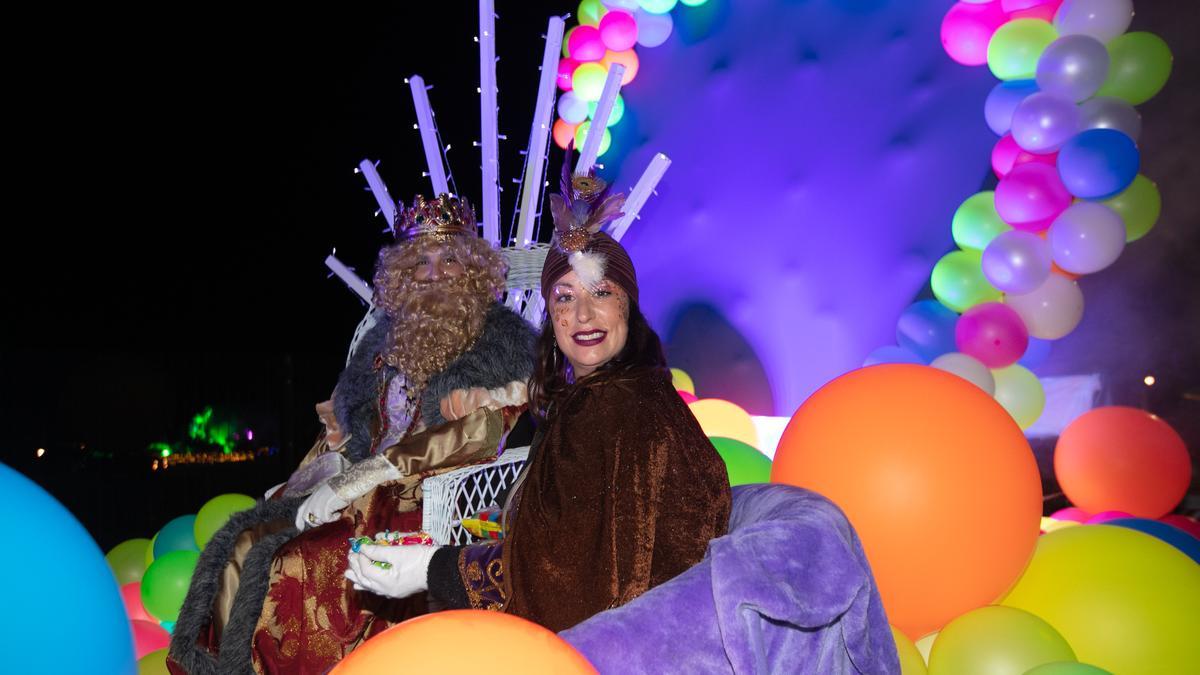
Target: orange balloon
[(935, 476), (466, 641), (1122, 459), (563, 133), (627, 58)]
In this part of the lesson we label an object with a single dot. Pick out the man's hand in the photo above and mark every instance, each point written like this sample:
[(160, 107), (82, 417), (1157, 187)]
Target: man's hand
[(322, 506), (462, 402), (406, 575), (333, 432)]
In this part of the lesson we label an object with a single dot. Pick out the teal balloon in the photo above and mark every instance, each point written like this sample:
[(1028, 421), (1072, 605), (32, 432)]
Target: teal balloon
[(166, 583), (60, 606), (744, 463), (177, 535), (168, 626)]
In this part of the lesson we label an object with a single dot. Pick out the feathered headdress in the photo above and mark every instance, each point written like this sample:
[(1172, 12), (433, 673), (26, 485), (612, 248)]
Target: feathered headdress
[(580, 209)]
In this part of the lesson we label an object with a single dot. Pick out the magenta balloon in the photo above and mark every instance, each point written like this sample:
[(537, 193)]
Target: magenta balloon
[(1030, 196), (1016, 262), (585, 44), (1043, 122), (1086, 238), (993, 333), (618, 30), (967, 28), (1006, 154)]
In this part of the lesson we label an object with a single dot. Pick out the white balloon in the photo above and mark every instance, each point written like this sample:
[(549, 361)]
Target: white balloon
[(968, 368), (1086, 238), (1052, 310), (1101, 19)]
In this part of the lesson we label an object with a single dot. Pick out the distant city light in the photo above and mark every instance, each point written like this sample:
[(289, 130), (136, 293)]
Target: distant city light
[(41, 451), (1149, 380), (249, 434)]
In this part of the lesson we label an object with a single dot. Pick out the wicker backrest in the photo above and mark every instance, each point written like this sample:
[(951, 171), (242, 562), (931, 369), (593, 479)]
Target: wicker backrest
[(452, 496)]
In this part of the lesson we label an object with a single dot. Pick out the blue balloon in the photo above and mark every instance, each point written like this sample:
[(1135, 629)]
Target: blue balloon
[(62, 612), (892, 354), (1003, 100), (1098, 163), (177, 535), (1168, 533), (1036, 353), (926, 328)]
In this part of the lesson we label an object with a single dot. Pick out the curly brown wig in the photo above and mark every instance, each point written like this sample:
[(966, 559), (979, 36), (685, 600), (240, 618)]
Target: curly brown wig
[(435, 321)]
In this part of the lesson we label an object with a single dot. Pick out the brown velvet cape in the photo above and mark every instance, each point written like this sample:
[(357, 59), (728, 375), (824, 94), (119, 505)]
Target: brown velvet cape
[(623, 493)]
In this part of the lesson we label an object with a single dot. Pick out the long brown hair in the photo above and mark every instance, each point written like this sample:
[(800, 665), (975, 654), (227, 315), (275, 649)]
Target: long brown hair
[(551, 370)]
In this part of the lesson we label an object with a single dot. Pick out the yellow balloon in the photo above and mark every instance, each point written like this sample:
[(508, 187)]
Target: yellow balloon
[(1021, 394), (150, 550), (995, 640), (911, 661), (725, 419), (1125, 601), (154, 663), (682, 381)]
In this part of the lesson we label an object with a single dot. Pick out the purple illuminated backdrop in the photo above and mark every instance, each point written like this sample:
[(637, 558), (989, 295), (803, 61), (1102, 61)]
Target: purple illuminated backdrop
[(820, 149)]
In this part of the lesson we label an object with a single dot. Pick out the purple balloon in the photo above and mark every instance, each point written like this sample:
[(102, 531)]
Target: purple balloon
[(1043, 122), (1016, 261), (1030, 196), (1003, 100), (1073, 67), (1110, 112), (1036, 353), (993, 333), (1086, 238), (1101, 19), (1096, 164)]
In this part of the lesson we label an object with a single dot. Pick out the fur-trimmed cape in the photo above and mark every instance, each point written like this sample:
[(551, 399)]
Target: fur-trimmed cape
[(502, 353)]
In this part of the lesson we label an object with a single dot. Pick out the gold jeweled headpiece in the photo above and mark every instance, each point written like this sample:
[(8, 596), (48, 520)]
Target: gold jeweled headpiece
[(581, 208), (441, 218)]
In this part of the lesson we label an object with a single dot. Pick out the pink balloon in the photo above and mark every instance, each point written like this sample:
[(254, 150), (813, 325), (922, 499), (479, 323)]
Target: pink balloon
[(566, 68), (148, 637), (1189, 525), (131, 596), (1105, 516), (687, 396), (1006, 155), (993, 333), (1071, 513), (1031, 196), (585, 44), (618, 30), (1032, 9), (967, 28)]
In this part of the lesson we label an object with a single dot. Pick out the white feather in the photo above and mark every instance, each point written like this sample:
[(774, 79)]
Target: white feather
[(589, 267)]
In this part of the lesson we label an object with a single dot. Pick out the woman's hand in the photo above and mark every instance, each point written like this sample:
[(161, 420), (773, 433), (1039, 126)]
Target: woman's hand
[(322, 506), (462, 402), (406, 574)]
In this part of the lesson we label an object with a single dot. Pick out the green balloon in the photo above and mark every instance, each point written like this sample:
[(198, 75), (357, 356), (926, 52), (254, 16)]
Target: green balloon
[(166, 583), (215, 513), (1138, 205), (976, 222), (958, 281), (150, 552), (1140, 64), (590, 12), (128, 560), (744, 463), (1067, 668), (996, 639), (567, 39), (1014, 49)]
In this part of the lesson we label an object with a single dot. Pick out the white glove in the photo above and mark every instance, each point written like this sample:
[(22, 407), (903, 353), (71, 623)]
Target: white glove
[(407, 574), (322, 506)]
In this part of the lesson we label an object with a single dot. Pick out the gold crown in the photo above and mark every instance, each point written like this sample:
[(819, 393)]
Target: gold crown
[(441, 218)]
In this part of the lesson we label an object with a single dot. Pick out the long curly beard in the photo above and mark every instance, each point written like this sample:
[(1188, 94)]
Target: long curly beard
[(436, 322)]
